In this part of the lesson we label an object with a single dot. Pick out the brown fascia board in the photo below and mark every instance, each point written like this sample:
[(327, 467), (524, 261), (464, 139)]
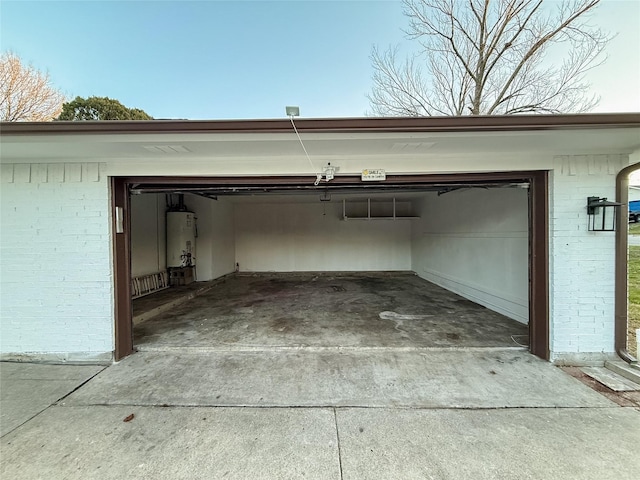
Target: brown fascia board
[(342, 125)]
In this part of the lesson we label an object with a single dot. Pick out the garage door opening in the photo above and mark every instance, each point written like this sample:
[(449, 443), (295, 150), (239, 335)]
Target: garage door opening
[(409, 264)]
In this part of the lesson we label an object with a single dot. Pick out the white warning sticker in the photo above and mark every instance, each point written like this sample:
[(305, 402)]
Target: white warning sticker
[(373, 175)]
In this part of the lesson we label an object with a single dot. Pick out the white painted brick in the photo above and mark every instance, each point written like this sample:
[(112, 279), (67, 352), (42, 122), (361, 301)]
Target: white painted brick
[(90, 172), (39, 173), (6, 173), (56, 172), (73, 172), (582, 263), (49, 234), (22, 173)]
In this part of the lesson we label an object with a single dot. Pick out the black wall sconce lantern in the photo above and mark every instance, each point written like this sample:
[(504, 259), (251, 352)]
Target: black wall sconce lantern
[(602, 214)]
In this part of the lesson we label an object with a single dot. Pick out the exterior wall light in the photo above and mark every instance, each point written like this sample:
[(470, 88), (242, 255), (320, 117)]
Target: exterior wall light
[(602, 214), (292, 111)]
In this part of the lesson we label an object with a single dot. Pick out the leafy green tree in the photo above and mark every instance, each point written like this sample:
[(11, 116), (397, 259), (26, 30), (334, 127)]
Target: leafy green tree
[(100, 108)]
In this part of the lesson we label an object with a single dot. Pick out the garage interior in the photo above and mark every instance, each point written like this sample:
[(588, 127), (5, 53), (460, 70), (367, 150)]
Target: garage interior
[(330, 267)]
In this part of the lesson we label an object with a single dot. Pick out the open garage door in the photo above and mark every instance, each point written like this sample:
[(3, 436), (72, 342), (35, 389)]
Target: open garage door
[(447, 260)]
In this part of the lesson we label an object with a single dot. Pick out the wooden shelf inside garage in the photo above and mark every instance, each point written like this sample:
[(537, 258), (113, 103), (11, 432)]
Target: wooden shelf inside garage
[(372, 209)]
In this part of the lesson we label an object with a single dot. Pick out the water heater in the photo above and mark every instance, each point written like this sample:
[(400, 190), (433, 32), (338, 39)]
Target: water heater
[(181, 239)]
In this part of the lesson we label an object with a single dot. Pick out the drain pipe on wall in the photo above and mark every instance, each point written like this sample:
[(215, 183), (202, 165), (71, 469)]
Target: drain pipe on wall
[(622, 252)]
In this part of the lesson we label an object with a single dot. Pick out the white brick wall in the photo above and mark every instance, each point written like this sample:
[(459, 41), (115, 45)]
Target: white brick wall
[(55, 263), (582, 263)]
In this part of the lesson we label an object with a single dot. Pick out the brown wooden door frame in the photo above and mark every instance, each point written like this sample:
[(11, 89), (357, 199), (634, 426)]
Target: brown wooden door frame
[(539, 264), (538, 237), (122, 269)]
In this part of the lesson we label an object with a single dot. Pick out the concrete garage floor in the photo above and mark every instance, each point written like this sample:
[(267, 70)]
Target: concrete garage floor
[(325, 311)]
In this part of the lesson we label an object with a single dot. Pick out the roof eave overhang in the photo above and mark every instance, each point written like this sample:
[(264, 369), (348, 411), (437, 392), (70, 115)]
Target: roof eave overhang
[(344, 125)]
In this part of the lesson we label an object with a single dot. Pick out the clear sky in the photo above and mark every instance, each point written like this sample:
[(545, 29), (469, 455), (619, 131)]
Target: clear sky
[(248, 59)]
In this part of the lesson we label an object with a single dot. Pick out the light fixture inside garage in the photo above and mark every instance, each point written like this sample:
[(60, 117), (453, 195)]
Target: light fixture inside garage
[(328, 172), (602, 214)]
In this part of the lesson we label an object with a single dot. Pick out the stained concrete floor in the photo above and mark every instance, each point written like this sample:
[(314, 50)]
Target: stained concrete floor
[(325, 311), (481, 379)]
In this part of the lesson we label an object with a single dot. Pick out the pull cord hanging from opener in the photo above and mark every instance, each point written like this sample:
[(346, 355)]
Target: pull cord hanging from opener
[(329, 171)]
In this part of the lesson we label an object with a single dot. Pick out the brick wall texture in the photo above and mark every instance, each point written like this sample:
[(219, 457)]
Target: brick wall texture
[(55, 261), (582, 263)]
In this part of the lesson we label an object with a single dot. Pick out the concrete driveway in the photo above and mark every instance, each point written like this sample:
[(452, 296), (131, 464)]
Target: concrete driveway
[(328, 415)]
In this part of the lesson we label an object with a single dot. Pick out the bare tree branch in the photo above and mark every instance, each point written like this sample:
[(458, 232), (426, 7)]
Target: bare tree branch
[(491, 57), (26, 94)]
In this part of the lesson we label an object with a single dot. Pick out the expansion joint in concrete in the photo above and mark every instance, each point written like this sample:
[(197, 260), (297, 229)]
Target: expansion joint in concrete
[(335, 418)]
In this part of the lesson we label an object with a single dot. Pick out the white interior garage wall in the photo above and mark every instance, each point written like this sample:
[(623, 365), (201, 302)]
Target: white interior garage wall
[(215, 246), (148, 237), (475, 243), (312, 237)]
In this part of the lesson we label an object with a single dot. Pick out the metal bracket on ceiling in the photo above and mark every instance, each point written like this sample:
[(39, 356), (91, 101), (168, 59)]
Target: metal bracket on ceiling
[(328, 173)]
